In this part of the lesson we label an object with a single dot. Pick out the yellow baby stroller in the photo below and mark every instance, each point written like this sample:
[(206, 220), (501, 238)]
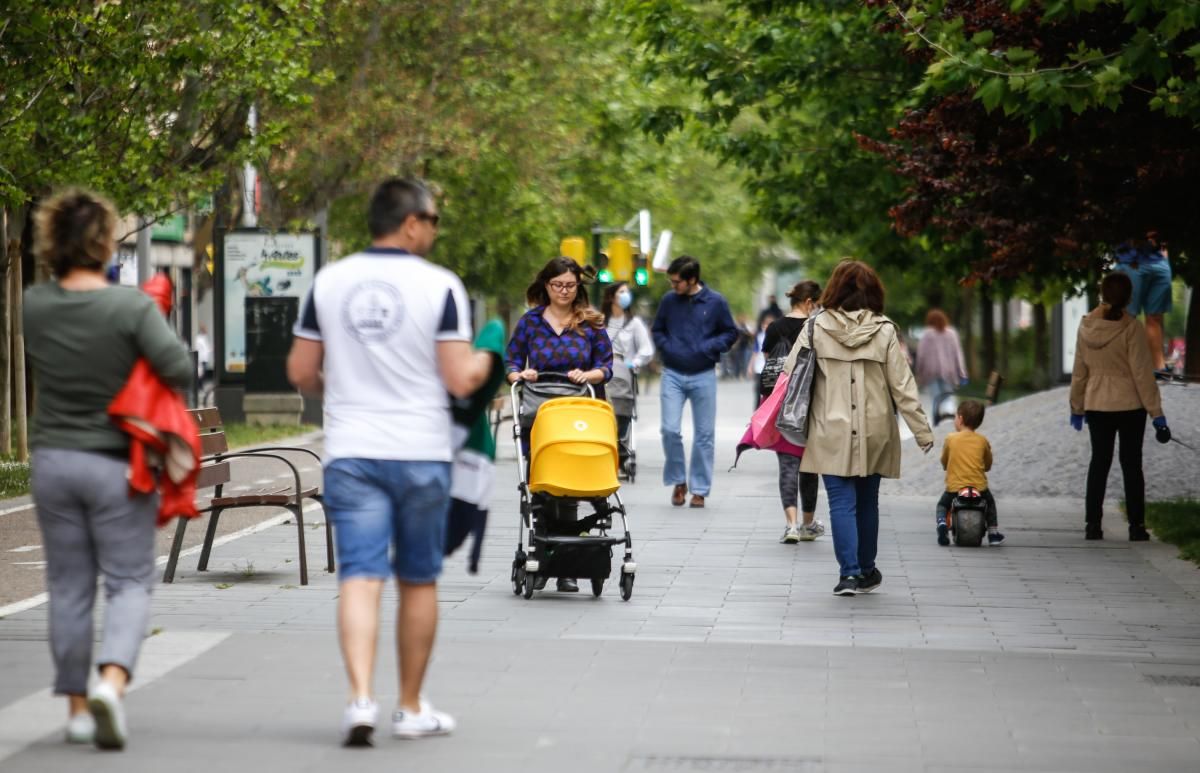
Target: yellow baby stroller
[(572, 458)]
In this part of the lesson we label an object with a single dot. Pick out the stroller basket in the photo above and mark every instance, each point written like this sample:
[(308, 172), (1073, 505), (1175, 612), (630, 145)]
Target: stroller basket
[(573, 449)]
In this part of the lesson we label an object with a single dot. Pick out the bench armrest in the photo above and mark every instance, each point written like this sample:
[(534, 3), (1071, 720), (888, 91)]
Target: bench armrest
[(236, 454)]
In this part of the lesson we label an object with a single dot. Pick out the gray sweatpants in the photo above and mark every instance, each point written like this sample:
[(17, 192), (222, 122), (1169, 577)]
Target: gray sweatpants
[(90, 525)]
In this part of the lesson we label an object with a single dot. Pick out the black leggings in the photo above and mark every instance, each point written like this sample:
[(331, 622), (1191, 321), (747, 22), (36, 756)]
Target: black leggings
[(1105, 427), (792, 481)]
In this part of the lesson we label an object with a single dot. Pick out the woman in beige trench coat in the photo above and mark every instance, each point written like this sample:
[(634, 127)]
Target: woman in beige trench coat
[(862, 381)]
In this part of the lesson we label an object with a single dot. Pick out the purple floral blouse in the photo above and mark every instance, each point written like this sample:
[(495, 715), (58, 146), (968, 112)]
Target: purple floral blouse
[(534, 344)]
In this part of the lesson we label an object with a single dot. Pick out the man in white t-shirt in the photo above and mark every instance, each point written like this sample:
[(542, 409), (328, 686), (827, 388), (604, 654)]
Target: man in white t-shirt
[(384, 335)]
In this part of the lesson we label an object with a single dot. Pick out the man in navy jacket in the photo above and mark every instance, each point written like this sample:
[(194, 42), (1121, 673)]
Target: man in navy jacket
[(692, 329)]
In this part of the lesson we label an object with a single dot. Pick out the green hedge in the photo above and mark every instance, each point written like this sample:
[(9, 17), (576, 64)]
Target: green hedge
[(14, 478), (1177, 522)]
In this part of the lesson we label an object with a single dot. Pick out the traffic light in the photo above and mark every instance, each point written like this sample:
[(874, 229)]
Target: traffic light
[(620, 259), (575, 248), (641, 274), (603, 275)]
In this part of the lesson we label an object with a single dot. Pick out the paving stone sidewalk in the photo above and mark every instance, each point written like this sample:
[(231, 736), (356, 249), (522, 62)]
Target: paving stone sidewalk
[(1046, 654)]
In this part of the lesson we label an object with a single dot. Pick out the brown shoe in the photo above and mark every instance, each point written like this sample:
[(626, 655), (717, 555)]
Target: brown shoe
[(697, 501), (678, 494)]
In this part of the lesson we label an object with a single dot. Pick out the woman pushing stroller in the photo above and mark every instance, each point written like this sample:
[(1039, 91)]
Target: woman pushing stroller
[(561, 333)]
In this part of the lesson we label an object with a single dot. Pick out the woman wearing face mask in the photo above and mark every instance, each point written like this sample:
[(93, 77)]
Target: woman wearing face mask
[(632, 347)]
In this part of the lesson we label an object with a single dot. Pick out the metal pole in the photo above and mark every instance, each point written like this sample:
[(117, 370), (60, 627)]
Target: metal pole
[(145, 264), (250, 178)]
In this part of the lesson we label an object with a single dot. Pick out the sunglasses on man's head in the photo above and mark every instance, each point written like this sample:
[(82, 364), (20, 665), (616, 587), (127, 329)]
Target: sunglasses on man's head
[(428, 217)]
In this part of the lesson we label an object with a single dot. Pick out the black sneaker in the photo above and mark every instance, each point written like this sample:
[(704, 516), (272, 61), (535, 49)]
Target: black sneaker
[(1138, 534), (870, 581), (847, 586), (1093, 532), (943, 535), (995, 538)]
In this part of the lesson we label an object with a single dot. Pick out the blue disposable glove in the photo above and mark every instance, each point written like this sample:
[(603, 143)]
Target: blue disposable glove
[(1077, 420), (1162, 433), (962, 382)]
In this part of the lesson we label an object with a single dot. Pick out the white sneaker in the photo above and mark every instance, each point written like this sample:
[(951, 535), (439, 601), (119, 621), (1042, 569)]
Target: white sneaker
[(358, 722), (810, 531), (429, 722), (81, 728), (790, 536), (108, 711)]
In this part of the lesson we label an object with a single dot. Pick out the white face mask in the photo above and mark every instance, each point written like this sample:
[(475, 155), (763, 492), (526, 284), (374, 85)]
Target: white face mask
[(624, 299)]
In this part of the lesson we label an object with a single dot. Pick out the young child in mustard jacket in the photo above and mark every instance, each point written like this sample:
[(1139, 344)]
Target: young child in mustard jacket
[(967, 457)]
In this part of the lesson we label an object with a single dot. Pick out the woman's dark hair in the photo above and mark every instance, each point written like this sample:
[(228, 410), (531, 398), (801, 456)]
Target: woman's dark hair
[(1115, 291), (606, 302), (74, 228), (393, 202), (685, 267), (853, 285), (937, 319), (582, 312), (807, 290)]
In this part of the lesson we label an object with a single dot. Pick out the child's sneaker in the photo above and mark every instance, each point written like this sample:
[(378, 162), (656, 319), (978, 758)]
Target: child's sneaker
[(810, 531), (943, 535), (428, 722), (995, 538), (358, 722), (791, 535)]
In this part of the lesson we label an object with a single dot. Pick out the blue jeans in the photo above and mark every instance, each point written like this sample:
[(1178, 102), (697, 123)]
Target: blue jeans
[(377, 504), (701, 389), (1151, 286), (854, 518)]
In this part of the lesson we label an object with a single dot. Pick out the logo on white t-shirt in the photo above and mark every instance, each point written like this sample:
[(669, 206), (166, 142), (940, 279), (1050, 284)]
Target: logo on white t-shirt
[(372, 311)]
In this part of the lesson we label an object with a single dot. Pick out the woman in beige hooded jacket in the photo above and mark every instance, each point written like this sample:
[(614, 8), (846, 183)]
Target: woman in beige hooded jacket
[(1112, 389), (862, 381)]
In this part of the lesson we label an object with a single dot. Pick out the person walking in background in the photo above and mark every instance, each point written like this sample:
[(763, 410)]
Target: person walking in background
[(940, 365), (82, 337), (384, 335), (1112, 389), (632, 350), (692, 329), (1146, 264), (780, 337), (861, 381)]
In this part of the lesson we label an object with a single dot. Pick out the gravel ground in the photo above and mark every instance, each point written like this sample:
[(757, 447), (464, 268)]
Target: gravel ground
[(1037, 454)]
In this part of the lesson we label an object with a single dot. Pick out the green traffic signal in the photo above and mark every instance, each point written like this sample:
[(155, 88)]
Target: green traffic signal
[(605, 276), (641, 276)]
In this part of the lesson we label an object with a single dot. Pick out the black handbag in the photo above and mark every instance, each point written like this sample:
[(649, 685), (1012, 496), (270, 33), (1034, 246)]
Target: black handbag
[(534, 393), (792, 421)]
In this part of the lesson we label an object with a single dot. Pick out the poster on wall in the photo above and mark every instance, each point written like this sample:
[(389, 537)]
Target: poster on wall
[(261, 265)]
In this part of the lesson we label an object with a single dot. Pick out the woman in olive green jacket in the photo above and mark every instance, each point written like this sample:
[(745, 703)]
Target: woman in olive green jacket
[(862, 381)]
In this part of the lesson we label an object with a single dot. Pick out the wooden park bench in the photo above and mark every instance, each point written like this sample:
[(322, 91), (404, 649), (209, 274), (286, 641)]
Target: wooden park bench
[(215, 473)]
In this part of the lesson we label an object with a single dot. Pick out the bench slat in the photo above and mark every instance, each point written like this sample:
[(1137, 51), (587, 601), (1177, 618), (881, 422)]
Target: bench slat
[(212, 474), (213, 443), (207, 418), (244, 500)]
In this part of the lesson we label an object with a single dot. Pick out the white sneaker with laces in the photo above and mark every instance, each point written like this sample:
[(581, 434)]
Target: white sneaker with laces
[(108, 712), (790, 536), (424, 724), (810, 531), (358, 722), (81, 728)]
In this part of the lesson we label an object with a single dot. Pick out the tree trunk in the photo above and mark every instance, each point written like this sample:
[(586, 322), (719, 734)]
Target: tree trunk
[(19, 366), (1041, 347), (1002, 363), (987, 330), (6, 338), (1192, 339), (966, 329)]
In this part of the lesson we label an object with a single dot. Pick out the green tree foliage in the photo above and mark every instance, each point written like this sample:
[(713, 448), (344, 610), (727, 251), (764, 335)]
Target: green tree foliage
[(146, 102), (522, 113)]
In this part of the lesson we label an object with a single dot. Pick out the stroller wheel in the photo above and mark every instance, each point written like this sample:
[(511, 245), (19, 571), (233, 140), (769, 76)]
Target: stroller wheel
[(626, 586), (597, 587), (632, 470), (529, 581)]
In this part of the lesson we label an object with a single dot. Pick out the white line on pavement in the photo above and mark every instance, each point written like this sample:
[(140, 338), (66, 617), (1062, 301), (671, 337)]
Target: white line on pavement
[(17, 509), (29, 563), (40, 714), (41, 598), (25, 549)]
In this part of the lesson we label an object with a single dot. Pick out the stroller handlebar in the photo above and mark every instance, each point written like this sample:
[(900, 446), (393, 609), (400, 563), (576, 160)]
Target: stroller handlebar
[(555, 378)]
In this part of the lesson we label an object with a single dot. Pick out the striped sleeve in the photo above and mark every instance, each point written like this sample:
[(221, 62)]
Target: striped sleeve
[(307, 324), (455, 322)]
